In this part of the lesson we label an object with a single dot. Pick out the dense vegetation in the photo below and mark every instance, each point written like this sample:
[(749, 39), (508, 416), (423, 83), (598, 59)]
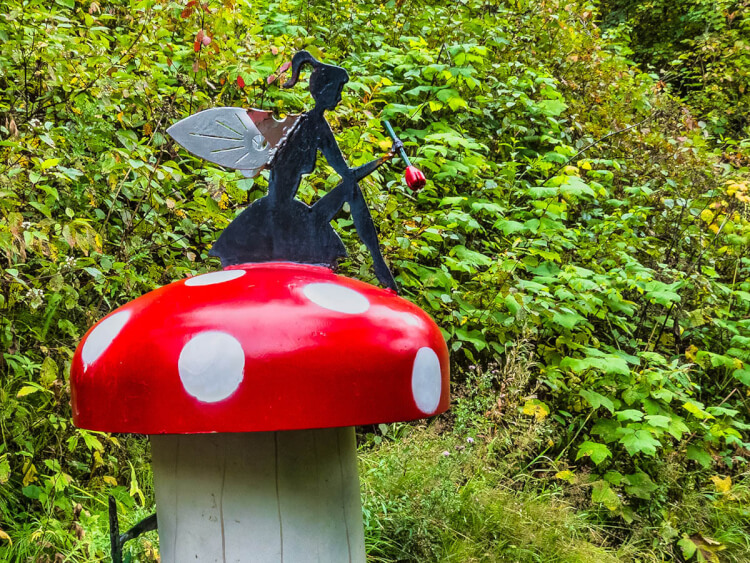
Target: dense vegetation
[(700, 47), (582, 240)]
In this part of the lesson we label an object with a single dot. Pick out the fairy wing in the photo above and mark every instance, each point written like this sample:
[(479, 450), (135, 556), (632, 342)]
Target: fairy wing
[(233, 137)]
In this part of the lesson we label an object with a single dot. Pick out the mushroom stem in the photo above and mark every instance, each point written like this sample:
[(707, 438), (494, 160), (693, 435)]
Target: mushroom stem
[(265, 496)]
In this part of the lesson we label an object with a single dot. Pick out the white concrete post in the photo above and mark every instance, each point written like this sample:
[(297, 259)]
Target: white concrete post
[(265, 497)]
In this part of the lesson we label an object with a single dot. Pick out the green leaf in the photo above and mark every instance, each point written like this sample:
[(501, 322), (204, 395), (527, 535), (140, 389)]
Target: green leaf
[(597, 452), (640, 441), (629, 414), (639, 485), (601, 492), (91, 441), (472, 257), (552, 108), (48, 373), (664, 297), (688, 548), (700, 455), (4, 470), (567, 320), (677, 427), (574, 186), (508, 227), (742, 375), (597, 400), (512, 304), (31, 491), (475, 337), (607, 428), (658, 421), (613, 477), (94, 272)]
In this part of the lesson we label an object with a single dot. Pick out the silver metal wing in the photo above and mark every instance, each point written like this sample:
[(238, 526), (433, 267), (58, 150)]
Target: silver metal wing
[(233, 137)]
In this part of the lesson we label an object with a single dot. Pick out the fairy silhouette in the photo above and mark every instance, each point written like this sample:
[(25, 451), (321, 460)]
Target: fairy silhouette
[(279, 227)]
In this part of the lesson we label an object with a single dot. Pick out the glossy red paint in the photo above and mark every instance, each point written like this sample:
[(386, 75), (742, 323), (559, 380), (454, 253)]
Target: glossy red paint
[(306, 365), (414, 178)]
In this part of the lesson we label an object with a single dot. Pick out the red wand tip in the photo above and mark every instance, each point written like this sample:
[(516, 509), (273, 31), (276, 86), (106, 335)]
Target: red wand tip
[(414, 178)]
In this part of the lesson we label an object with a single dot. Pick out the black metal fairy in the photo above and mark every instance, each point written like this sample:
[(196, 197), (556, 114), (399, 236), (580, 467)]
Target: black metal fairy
[(279, 227)]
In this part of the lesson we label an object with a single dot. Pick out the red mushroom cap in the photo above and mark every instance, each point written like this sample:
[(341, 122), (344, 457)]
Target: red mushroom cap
[(259, 347)]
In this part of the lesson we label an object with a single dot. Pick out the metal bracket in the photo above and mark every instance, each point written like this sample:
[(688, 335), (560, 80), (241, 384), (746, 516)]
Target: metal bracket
[(116, 539)]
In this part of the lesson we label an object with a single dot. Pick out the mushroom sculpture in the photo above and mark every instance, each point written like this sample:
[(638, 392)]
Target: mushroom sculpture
[(249, 380)]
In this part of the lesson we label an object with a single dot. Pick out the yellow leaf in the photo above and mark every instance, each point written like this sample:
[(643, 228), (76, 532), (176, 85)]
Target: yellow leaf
[(585, 165), (535, 408), (110, 480), (29, 475), (26, 390), (4, 536), (722, 485), (566, 475)]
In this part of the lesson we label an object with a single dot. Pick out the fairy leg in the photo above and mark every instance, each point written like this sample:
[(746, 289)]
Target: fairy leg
[(366, 230), (332, 202)]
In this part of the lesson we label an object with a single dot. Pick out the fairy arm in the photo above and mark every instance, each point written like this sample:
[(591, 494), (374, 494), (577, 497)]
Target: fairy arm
[(332, 154), (331, 203), (348, 190), (329, 147)]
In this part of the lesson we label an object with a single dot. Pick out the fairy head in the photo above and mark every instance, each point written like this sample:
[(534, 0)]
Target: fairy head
[(326, 81)]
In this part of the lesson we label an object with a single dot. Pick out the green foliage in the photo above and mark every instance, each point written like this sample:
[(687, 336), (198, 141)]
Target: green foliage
[(580, 243), (700, 46), (452, 498), (443, 499)]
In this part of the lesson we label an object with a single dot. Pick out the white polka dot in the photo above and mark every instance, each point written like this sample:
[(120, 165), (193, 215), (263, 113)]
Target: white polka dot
[(336, 298), (411, 319), (211, 366), (214, 277), (426, 380), (102, 336)]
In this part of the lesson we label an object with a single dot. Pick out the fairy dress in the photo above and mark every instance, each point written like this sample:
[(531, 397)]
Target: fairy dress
[(279, 227)]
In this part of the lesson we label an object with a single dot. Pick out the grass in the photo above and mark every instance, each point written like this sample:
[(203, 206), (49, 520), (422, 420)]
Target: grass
[(440, 498), (450, 491), (430, 495)]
